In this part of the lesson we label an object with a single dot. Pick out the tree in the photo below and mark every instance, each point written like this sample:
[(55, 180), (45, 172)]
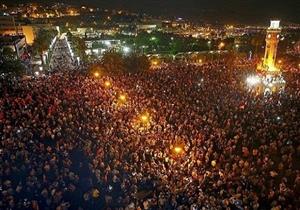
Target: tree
[(9, 63), (42, 41), (78, 45), (8, 54), (113, 62), (136, 63), (96, 68)]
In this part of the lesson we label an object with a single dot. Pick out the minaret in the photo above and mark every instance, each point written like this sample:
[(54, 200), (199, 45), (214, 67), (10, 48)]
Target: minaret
[(272, 39)]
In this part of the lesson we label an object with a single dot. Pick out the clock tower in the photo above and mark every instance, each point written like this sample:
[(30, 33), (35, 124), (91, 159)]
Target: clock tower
[(272, 40)]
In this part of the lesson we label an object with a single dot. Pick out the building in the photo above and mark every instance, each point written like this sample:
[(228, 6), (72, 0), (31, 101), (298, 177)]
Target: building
[(8, 26), (272, 40), (99, 46), (16, 43), (30, 33)]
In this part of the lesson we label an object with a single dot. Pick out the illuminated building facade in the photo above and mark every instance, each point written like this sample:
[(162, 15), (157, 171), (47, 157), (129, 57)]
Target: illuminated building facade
[(270, 79), (8, 26), (272, 40)]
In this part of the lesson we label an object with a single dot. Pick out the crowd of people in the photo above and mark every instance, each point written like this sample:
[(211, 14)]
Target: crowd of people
[(62, 58), (178, 137)]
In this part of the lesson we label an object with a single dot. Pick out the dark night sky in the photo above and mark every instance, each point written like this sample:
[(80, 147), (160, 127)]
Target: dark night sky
[(229, 11)]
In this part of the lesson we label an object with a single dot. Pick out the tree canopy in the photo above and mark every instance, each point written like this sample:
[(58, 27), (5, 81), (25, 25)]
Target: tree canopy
[(9, 63), (115, 62), (42, 41), (78, 45)]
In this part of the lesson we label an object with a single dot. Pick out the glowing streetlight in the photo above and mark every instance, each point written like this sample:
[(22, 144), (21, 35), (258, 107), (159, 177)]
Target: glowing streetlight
[(153, 38), (154, 63), (221, 45), (107, 84), (144, 118), (96, 74), (126, 50), (178, 150), (122, 98)]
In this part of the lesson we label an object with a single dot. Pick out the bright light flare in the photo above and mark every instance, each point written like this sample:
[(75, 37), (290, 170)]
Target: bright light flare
[(122, 97), (96, 74), (154, 63), (144, 118), (221, 45), (178, 150), (107, 84), (142, 121), (253, 80), (126, 50)]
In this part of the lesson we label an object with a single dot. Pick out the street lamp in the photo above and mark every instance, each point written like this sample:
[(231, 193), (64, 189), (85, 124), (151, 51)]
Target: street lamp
[(153, 38), (126, 50), (144, 118), (177, 150), (221, 45), (107, 84), (122, 98)]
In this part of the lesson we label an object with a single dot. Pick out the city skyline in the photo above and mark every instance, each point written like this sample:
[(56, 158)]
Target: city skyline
[(233, 11)]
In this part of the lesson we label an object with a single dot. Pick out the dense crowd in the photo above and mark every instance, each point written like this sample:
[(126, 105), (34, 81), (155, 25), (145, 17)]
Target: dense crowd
[(179, 137), (61, 58)]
